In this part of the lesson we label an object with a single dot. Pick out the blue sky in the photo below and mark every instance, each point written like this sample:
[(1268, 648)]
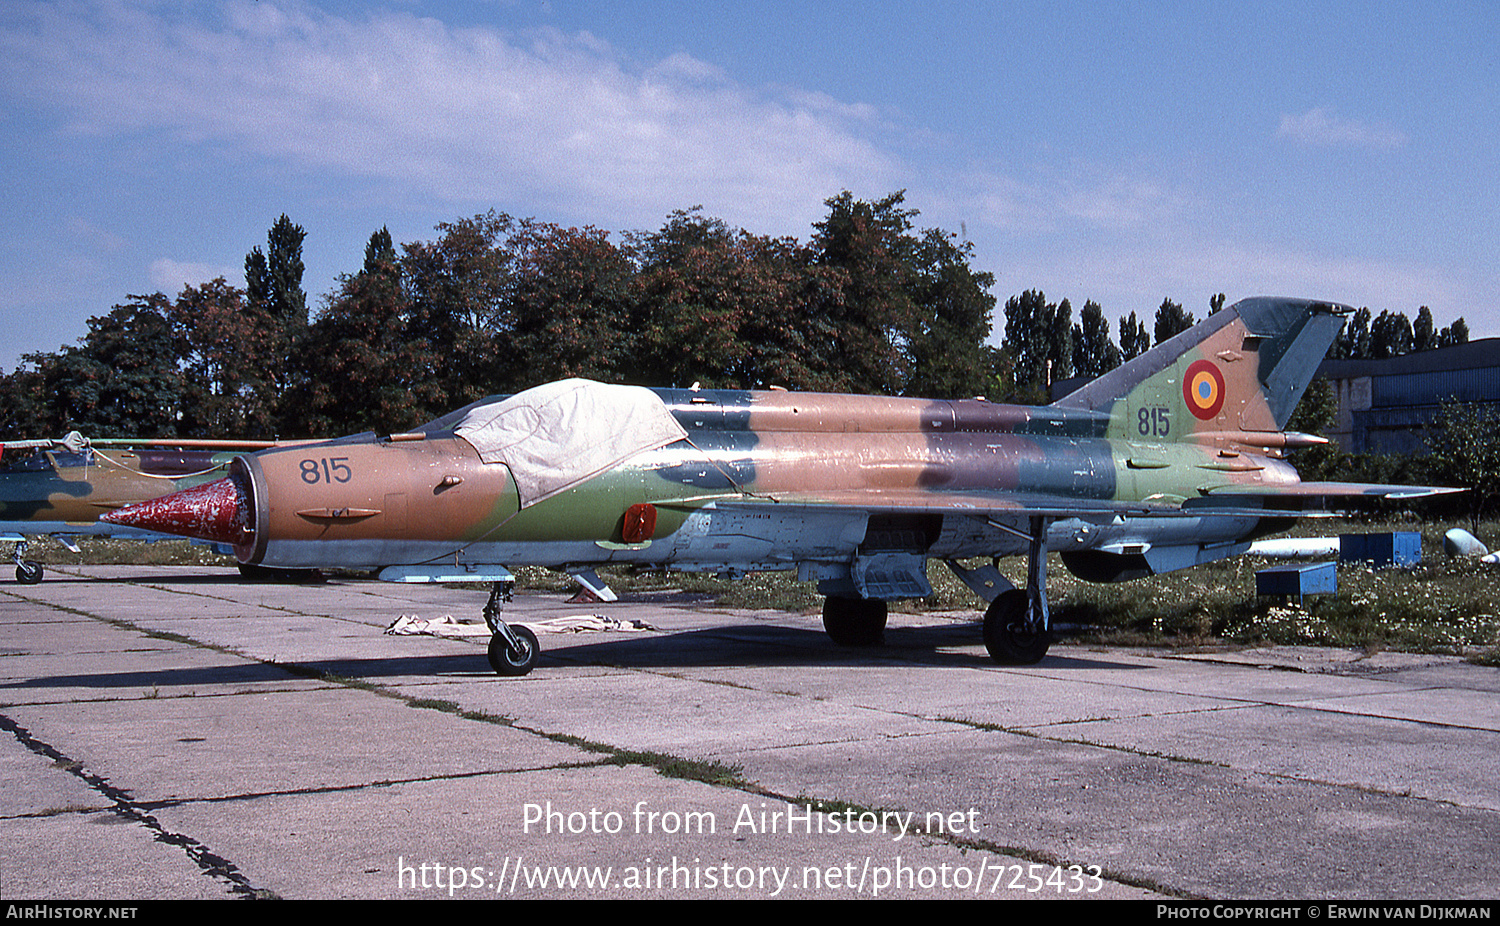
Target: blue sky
[(1120, 152)]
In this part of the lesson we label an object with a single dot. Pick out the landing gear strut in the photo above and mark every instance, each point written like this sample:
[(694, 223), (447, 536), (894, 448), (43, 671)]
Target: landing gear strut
[(1016, 625), (28, 572), (513, 650)]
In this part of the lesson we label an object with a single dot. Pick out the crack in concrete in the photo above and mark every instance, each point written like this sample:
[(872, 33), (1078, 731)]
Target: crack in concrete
[(123, 804)]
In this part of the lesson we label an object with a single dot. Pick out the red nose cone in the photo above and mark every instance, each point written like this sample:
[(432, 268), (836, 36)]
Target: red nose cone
[(215, 511)]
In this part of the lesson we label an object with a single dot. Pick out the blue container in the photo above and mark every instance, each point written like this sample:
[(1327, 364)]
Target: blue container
[(1400, 548), (1298, 579)]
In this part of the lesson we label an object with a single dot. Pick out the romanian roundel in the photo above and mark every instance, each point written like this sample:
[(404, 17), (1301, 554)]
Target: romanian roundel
[(1203, 388)]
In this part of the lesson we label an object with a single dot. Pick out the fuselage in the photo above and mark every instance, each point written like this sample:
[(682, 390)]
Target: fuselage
[(428, 498)]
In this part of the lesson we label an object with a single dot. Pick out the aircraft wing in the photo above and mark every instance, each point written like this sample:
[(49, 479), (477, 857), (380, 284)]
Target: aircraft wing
[(1232, 501), (1308, 495), (997, 503)]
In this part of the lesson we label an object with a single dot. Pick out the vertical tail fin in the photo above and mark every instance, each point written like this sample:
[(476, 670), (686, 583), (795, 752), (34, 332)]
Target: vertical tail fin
[(1242, 370)]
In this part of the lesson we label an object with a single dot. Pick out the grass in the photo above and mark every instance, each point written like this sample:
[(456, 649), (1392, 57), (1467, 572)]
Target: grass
[(99, 551), (1441, 605)]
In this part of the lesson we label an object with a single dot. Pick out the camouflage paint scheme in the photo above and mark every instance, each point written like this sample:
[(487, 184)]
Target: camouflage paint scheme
[(1171, 460), (61, 488)]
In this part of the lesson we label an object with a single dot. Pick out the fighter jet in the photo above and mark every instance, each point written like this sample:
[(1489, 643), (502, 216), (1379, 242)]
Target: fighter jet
[(61, 487), (1171, 460)]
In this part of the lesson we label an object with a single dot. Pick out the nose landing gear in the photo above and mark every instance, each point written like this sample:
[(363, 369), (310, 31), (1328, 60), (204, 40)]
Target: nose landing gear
[(513, 649)]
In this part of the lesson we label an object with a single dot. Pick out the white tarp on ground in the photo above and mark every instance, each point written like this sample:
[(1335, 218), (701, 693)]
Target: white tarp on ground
[(556, 436), (446, 626)]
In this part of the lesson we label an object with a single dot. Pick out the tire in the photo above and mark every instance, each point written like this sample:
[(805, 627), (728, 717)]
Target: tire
[(252, 573), (507, 663), (854, 621), (29, 572), (1008, 641)]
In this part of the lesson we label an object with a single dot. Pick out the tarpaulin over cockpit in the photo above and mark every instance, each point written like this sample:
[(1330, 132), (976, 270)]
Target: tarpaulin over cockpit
[(558, 435)]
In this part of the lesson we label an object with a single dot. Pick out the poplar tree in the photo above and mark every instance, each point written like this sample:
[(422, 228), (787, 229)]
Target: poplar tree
[(1171, 319)]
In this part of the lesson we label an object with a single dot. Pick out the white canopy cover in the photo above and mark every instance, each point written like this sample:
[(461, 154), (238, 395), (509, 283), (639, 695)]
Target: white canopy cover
[(557, 435)]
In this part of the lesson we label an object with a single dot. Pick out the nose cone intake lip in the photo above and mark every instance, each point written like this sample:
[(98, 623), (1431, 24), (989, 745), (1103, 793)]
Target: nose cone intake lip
[(215, 511)]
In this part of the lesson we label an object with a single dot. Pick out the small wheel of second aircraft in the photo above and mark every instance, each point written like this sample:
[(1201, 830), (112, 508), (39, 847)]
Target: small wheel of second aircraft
[(1006, 636), (29, 572), (854, 621), (505, 661)]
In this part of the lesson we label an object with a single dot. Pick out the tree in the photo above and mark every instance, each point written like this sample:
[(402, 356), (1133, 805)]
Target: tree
[(1390, 336), (1316, 410), (24, 402), (1424, 334), (273, 280), (1134, 339), (1059, 327), (870, 245), (274, 297), (1094, 351), (1215, 303), (1456, 333), (1315, 413), (1465, 444), (231, 354), (690, 302), (1171, 319), (728, 309), (367, 368), (1027, 326), (458, 289), (952, 319), (785, 289), (567, 307), (121, 380), (1039, 342), (1353, 342), (909, 313)]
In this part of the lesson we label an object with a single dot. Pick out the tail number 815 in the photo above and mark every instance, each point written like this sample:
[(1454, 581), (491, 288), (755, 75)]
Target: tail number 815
[(327, 469), (1154, 421)]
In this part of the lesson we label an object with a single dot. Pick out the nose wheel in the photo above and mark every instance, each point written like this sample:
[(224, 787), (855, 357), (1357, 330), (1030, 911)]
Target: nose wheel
[(28, 571), (513, 649), (515, 656)]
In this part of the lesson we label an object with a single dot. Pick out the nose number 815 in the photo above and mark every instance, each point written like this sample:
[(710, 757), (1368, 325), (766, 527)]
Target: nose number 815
[(327, 469)]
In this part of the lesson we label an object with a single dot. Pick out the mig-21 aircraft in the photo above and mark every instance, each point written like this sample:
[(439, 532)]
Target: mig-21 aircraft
[(1171, 460), (61, 487)]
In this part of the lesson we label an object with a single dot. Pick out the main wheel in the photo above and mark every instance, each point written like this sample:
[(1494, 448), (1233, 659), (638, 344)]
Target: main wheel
[(253, 573), (854, 621), (506, 662), (29, 572), (1009, 641)]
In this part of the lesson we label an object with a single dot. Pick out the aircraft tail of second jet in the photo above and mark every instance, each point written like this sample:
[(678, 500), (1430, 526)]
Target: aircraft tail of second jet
[(1235, 377)]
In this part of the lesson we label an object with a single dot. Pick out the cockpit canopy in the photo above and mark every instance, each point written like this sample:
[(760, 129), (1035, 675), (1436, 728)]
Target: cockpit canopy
[(558, 435)]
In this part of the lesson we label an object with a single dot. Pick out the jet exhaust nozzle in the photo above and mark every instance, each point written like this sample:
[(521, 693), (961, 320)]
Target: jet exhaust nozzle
[(216, 511)]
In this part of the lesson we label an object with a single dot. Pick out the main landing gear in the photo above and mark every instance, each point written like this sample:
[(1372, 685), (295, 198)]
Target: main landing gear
[(513, 649), (1016, 624), (1012, 636)]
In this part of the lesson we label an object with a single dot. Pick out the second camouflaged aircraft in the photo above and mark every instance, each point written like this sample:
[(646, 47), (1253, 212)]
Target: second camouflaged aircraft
[(1171, 460), (61, 487)]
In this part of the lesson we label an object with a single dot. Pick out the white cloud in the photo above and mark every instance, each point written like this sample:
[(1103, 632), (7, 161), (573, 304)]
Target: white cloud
[(172, 276), (464, 115), (1068, 199), (1321, 127)]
